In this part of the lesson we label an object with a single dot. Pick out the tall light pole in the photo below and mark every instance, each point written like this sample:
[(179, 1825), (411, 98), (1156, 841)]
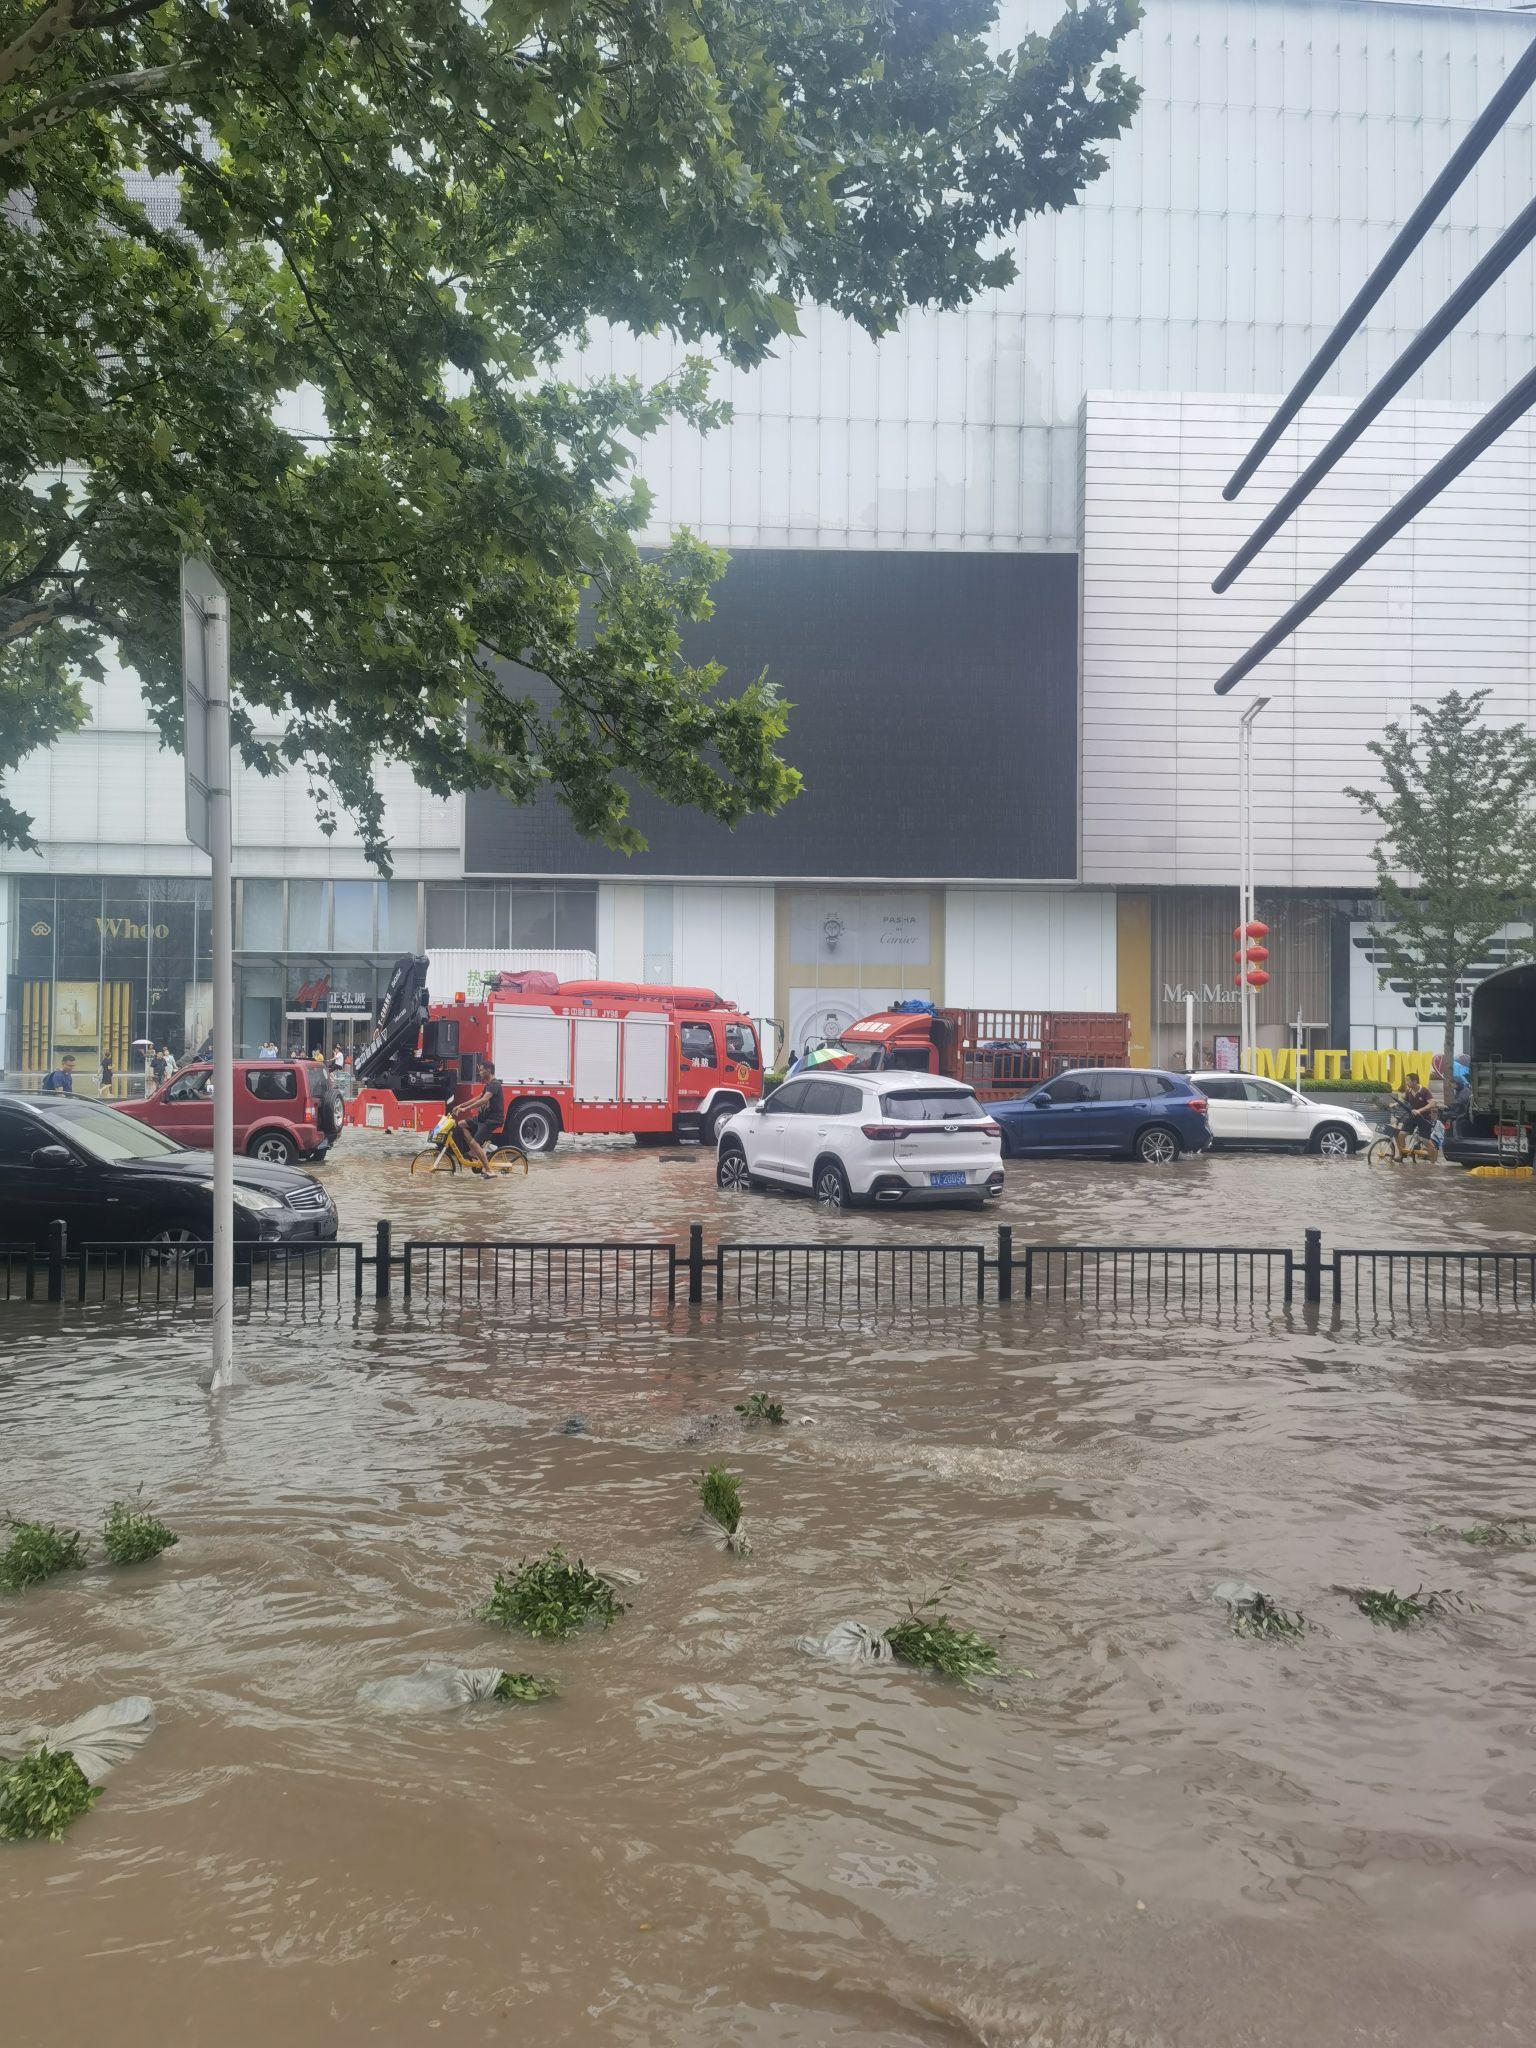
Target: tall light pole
[(1247, 994), (205, 709)]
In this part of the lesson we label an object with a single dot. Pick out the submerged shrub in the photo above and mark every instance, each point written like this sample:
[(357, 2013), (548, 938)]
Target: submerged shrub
[(523, 1685), (1396, 1610), (1500, 1534), (551, 1597), (41, 1794), (38, 1551), (129, 1536), (760, 1408), (933, 1643), (720, 1493), (1262, 1621)]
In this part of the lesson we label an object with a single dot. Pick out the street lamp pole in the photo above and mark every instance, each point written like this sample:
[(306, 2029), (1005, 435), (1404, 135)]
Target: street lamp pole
[(1247, 994)]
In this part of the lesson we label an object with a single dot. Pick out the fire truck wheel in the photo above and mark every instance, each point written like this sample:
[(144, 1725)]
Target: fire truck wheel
[(534, 1126)]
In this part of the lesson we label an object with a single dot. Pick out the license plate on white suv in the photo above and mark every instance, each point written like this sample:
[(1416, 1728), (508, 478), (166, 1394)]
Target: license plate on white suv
[(946, 1180)]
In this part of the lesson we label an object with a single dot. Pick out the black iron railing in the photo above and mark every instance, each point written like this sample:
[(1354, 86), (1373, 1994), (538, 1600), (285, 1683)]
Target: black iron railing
[(641, 1275), (592, 1273), (850, 1275)]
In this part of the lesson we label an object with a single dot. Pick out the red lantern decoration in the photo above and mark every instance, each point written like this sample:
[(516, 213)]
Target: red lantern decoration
[(1257, 953), (1250, 931), (1256, 977)]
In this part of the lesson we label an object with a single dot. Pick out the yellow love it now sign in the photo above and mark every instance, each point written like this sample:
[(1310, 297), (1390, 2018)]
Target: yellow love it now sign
[(1332, 1063)]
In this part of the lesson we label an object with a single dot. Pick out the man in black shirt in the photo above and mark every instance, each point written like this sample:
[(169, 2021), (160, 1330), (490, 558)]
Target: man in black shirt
[(483, 1115)]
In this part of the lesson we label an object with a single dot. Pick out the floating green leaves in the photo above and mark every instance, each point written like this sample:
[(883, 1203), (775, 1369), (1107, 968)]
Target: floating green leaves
[(933, 1643), (41, 1794), (1514, 1533), (1260, 1620), (760, 1408), (551, 1597), (1390, 1609), (129, 1536), (524, 1685), (39, 1551), (720, 1494)]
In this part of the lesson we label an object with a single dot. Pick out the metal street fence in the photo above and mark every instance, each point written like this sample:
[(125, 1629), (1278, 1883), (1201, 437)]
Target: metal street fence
[(642, 1275)]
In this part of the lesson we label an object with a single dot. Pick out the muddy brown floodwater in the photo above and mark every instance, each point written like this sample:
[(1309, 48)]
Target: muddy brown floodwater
[(1153, 1835)]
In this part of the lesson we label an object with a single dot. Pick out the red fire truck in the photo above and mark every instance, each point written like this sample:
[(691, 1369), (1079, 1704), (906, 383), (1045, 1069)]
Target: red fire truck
[(579, 1056), (1001, 1053)]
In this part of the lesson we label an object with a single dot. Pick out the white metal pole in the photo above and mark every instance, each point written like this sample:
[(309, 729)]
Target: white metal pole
[(216, 643), (1244, 759), (1189, 1034)]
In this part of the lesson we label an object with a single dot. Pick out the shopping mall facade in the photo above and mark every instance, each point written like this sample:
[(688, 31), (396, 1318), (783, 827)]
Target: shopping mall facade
[(978, 558)]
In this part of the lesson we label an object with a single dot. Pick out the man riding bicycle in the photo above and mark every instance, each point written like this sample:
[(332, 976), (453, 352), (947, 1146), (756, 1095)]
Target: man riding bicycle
[(1415, 1108), (483, 1115)]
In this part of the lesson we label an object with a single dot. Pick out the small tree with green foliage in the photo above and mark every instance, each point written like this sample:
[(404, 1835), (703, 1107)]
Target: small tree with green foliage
[(1457, 854)]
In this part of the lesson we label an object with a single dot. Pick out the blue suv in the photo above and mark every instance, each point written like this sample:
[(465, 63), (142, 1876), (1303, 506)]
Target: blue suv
[(1136, 1112)]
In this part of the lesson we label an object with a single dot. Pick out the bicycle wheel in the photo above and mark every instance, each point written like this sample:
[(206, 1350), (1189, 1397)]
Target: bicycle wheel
[(433, 1158), (1382, 1153), (509, 1159)]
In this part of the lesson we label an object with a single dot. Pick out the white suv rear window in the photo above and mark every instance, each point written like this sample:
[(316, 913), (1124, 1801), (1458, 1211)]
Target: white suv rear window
[(935, 1107)]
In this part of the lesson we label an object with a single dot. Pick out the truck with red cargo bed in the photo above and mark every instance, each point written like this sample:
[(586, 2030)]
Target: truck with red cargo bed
[(998, 1053)]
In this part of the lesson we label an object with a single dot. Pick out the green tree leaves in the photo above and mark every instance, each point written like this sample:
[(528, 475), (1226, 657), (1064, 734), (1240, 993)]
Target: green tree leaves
[(406, 214)]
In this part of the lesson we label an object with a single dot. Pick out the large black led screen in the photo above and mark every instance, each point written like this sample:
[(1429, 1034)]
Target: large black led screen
[(934, 721)]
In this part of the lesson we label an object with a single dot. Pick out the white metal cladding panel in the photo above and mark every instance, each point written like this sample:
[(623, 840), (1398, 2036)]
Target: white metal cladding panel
[(1277, 147), (1448, 604), (531, 1045), (1025, 949), (597, 1059), (645, 1059), (723, 939)]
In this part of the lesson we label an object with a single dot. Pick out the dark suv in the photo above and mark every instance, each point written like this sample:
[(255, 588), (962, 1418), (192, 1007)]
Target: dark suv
[(1136, 1112)]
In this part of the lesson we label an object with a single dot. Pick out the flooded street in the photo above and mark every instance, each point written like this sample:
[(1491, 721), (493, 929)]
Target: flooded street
[(1153, 1835)]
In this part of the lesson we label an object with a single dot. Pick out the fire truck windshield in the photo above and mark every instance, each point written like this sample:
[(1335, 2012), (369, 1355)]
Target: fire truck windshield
[(741, 1044)]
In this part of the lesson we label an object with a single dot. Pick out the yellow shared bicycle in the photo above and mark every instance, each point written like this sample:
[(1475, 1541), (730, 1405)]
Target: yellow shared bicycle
[(443, 1153), (1383, 1150)]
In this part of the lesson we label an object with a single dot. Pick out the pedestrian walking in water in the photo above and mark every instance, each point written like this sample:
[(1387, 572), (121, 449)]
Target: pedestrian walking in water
[(104, 1073)]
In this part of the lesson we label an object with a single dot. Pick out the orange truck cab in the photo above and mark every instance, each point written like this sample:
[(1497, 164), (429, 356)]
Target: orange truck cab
[(1000, 1053)]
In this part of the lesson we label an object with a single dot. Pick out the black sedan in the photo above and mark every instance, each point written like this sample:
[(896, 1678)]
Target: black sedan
[(113, 1180)]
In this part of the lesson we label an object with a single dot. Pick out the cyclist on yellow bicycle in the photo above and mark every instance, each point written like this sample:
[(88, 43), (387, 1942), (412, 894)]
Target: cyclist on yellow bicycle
[(483, 1115), (1415, 1117)]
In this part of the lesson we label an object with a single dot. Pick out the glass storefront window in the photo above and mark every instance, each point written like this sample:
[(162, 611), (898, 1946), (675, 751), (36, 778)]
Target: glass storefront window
[(309, 917), (397, 917), (262, 930), (480, 915), (576, 920), (353, 914), (445, 914), (531, 918)]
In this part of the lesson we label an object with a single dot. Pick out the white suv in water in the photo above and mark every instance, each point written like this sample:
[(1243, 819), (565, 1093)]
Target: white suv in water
[(866, 1137), (1243, 1109)]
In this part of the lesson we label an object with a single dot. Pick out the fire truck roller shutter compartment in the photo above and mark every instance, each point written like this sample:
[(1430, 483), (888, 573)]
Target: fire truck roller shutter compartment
[(597, 1059), (531, 1046), (645, 1059)]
